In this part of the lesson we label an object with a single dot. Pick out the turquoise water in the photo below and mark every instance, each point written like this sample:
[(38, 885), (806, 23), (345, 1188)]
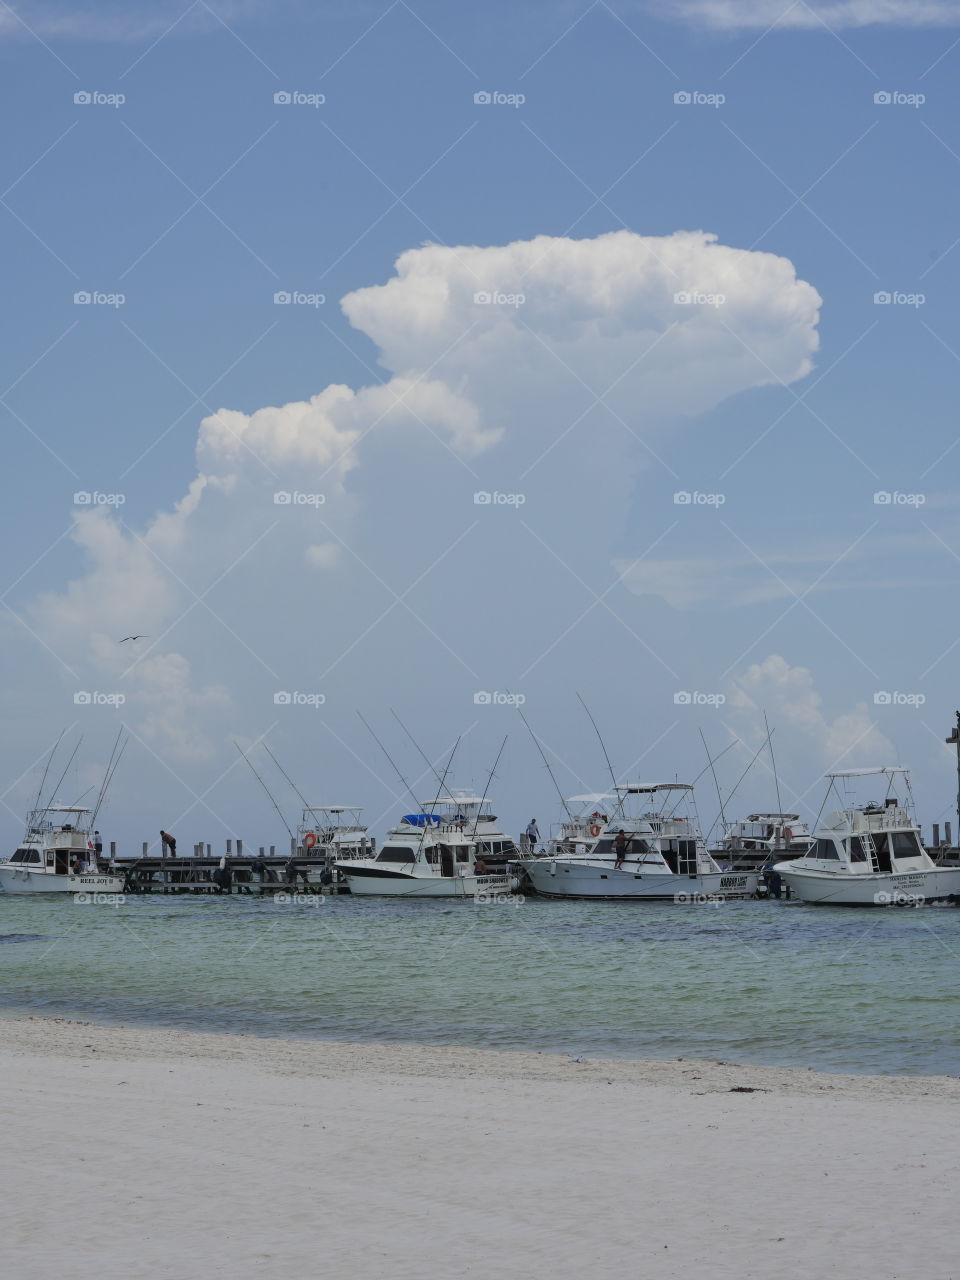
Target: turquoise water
[(764, 982)]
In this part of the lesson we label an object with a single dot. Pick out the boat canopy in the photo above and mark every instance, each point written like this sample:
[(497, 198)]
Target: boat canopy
[(594, 797), (422, 819), (646, 788), (864, 773)]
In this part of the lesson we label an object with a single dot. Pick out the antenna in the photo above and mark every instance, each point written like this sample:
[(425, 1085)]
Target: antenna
[(476, 821), (36, 804), (723, 816), (536, 741), (613, 779), (266, 789), (776, 780)]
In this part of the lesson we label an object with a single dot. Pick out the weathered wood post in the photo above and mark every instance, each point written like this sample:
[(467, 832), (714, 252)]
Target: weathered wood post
[(239, 848), (936, 835), (948, 833)]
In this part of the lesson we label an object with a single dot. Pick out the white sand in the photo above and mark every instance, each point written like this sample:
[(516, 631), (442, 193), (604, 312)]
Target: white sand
[(139, 1153)]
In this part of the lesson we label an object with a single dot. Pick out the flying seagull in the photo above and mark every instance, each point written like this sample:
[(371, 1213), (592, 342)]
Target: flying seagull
[(126, 638)]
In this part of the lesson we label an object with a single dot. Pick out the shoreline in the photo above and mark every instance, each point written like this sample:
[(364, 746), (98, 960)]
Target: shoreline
[(149, 1154), (60, 1037)]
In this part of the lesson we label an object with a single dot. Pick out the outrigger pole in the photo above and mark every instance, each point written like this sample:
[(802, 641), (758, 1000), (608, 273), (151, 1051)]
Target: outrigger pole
[(65, 768), (112, 763), (288, 778), (406, 784), (536, 741), (265, 787), (613, 777), (46, 769), (776, 778), (476, 821), (423, 755), (716, 783)]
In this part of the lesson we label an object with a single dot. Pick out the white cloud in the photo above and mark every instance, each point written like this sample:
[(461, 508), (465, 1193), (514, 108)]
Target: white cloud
[(322, 555), (206, 578), (789, 696), (816, 14)]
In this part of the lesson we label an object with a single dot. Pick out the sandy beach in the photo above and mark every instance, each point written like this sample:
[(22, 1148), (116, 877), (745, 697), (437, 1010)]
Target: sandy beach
[(132, 1152)]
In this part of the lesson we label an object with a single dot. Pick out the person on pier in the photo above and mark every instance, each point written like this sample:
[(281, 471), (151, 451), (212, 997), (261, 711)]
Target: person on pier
[(168, 844)]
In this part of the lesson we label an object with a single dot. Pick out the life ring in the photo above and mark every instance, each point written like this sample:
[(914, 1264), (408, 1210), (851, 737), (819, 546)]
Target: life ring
[(595, 829), (309, 840)]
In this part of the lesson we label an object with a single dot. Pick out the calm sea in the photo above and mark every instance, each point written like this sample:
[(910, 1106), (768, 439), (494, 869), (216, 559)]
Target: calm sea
[(761, 982)]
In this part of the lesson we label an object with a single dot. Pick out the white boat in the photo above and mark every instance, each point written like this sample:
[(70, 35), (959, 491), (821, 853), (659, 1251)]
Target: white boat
[(766, 835), (869, 855), (665, 857), (57, 856), (434, 854)]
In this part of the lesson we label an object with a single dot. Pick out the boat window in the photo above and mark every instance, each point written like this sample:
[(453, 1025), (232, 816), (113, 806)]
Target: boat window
[(462, 853), (857, 851), (905, 844), (20, 855), (395, 853), (825, 849), (31, 855)]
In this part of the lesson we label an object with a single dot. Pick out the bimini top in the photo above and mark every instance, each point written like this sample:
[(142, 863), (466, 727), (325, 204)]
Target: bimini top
[(62, 808), (592, 798), (645, 788), (863, 773)]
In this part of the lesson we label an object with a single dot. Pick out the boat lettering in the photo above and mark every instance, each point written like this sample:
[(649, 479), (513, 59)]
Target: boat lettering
[(733, 882)]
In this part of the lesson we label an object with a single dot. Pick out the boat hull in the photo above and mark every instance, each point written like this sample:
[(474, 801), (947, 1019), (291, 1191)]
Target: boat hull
[(372, 881), (555, 878), (15, 879), (908, 888)]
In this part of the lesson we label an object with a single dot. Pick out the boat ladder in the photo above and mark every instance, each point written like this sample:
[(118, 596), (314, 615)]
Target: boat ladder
[(871, 849)]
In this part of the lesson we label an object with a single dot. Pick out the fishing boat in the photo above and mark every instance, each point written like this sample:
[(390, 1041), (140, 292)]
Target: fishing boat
[(583, 820), (762, 839), (439, 852), (57, 855), (869, 854), (663, 856)]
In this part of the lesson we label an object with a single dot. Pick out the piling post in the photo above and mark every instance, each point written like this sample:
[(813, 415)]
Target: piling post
[(208, 851), (113, 849), (143, 847), (229, 846), (936, 835), (273, 851), (239, 848), (948, 833)]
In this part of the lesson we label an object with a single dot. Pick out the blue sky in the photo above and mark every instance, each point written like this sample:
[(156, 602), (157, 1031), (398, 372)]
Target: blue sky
[(199, 197)]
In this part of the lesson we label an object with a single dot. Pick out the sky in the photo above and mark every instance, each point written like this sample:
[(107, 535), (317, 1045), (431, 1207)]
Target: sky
[(424, 361)]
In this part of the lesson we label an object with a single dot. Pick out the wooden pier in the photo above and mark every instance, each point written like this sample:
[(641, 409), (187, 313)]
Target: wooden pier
[(301, 870)]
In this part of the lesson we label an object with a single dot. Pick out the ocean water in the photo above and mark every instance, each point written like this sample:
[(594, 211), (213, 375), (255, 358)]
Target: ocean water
[(754, 982)]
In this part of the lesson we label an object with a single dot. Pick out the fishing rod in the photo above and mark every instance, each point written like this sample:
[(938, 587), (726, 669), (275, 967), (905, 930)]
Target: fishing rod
[(476, 821), (536, 741), (266, 789), (613, 778), (65, 769), (36, 803)]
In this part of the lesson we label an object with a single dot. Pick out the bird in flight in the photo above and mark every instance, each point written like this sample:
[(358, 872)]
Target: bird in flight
[(126, 638)]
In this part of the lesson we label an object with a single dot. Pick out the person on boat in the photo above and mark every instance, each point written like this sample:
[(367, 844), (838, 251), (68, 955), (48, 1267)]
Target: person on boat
[(168, 843), (480, 868), (620, 847), (533, 835), (97, 844)]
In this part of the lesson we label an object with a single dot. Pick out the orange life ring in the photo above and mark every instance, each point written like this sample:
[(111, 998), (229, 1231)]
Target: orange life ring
[(309, 840), (595, 829)]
